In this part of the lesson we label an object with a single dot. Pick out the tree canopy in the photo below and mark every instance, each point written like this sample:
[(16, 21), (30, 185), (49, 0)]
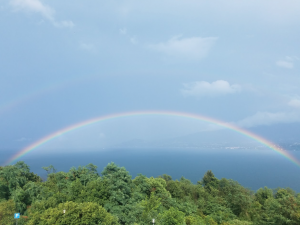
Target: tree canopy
[(84, 196)]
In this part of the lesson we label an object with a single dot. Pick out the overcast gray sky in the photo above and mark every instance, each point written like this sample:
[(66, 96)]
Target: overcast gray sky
[(62, 62)]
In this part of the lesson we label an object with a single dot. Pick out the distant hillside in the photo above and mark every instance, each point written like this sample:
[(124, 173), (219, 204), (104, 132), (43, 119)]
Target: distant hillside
[(286, 135)]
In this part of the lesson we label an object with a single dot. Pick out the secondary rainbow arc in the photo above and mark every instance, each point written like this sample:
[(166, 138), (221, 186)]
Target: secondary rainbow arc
[(79, 125)]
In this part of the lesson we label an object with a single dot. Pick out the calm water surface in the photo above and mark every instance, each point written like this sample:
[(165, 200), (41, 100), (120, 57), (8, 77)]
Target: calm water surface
[(251, 168)]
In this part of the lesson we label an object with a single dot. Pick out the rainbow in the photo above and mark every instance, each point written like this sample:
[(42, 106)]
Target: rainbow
[(85, 123)]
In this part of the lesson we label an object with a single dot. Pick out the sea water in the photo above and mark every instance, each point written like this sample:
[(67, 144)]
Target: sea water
[(252, 168)]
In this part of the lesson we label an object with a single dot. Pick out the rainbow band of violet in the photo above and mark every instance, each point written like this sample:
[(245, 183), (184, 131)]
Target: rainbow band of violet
[(230, 126)]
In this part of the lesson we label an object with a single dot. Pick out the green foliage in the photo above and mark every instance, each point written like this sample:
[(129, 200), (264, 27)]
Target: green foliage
[(194, 220), (238, 222), (120, 187), (263, 194), (175, 189), (49, 169), (183, 188), (142, 186), (158, 185), (97, 191), (172, 217), (12, 177), (283, 193), (238, 198), (75, 213), (120, 184), (210, 181), (210, 221), (83, 173), (114, 198), (220, 213), (150, 208), (7, 210), (40, 206)]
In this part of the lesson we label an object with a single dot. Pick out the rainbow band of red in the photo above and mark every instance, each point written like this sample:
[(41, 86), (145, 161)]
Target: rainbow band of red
[(230, 126)]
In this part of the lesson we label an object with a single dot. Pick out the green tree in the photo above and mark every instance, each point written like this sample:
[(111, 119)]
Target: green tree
[(210, 181), (238, 198), (7, 210), (50, 169), (194, 220), (83, 173), (175, 189), (21, 199), (263, 194), (172, 217), (158, 185), (97, 191), (142, 186), (120, 193), (75, 213), (12, 177), (149, 208)]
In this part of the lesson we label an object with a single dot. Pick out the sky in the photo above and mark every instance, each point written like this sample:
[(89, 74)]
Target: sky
[(63, 62)]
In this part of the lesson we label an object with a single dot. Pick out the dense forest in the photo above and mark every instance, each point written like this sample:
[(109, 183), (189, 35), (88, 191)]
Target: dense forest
[(83, 196)]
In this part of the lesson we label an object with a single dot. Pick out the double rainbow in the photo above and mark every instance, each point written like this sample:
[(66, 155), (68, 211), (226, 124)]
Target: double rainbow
[(85, 123)]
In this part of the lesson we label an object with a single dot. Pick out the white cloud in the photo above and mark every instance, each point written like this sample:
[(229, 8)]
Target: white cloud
[(294, 103), (38, 7), (204, 88), (23, 139), (285, 64), (133, 40), (194, 48), (88, 47), (34, 6), (123, 31), (288, 62), (65, 23), (102, 135), (292, 58), (267, 118)]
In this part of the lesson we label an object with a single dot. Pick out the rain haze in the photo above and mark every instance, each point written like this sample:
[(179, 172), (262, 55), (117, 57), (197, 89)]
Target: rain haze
[(66, 62)]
